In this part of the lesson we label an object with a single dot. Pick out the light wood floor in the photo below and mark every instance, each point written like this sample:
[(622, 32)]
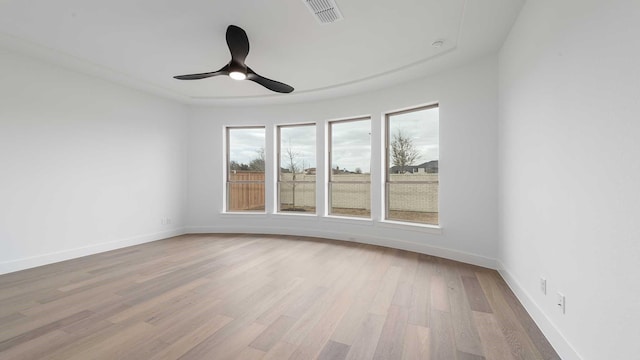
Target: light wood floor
[(263, 297)]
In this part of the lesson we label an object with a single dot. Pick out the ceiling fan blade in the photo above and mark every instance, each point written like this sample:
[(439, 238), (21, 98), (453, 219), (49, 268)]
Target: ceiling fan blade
[(223, 71), (268, 83), (238, 43)]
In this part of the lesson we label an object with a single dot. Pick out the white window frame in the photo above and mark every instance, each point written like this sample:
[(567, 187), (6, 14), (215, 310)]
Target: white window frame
[(229, 182), (279, 180), (387, 166), (330, 181)]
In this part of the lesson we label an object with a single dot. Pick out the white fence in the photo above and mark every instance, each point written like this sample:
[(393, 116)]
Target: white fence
[(411, 195)]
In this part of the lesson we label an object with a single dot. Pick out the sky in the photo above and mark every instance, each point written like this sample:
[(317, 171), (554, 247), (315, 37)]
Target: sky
[(423, 128), (351, 145), (351, 141), (301, 140), (245, 144)]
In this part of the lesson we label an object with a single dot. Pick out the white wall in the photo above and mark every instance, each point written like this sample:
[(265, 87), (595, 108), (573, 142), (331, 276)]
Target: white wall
[(468, 169), (570, 171), (85, 165)]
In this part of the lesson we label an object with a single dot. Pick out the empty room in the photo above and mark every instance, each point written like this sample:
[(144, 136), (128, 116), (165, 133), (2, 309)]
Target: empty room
[(320, 179)]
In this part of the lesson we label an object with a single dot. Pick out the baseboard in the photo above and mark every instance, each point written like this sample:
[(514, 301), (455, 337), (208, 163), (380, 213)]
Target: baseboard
[(355, 237), (548, 328), (50, 258)]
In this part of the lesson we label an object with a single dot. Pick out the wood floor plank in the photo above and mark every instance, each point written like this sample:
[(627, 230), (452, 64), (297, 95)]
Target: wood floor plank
[(239, 296), (282, 350), (439, 294), (365, 345), (420, 302), (96, 297), (175, 327), (42, 330), (142, 309), (461, 355), (533, 331), (220, 339), (190, 339), (465, 332), (304, 302), (118, 345), (403, 294), (416, 343), (363, 295), (250, 354), (520, 344), (333, 351), (272, 334), (306, 323), (228, 349), (16, 305), (38, 347), (475, 295), (390, 345), (493, 341), (8, 319), (287, 302), (443, 344), (321, 332), (387, 290), (350, 325), (85, 342)]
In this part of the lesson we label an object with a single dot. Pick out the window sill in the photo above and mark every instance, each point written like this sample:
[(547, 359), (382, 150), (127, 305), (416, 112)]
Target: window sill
[(349, 220), (243, 213), (431, 229), (294, 214)]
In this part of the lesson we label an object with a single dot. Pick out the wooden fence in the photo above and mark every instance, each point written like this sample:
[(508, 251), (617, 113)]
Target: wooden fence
[(246, 196), (246, 192)]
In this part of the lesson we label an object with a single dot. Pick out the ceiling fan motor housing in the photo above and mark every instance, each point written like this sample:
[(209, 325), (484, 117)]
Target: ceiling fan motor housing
[(237, 67)]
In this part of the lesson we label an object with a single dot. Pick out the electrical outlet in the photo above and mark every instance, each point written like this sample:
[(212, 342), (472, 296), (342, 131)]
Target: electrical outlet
[(561, 302), (168, 221), (543, 285)]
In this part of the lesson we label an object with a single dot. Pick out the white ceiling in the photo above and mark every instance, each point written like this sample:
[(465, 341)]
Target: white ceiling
[(144, 43)]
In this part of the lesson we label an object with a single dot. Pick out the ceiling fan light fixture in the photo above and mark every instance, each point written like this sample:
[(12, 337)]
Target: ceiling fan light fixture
[(237, 75)]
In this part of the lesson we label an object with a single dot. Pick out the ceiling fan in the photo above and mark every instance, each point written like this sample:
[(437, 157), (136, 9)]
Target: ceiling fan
[(236, 69)]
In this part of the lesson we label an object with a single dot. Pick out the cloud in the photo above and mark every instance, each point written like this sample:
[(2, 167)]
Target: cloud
[(350, 140), (302, 141), (245, 144), (423, 127), (351, 145)]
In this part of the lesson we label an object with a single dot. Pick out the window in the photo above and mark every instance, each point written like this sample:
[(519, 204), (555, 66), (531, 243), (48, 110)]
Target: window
[(412, 152), (350, 168), (297, 168), (245, 169)]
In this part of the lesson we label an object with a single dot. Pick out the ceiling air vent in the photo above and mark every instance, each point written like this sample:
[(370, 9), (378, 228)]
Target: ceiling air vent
[(326, 11)]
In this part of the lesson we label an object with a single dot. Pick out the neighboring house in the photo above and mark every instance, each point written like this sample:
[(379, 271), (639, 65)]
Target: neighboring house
[(430, 167)]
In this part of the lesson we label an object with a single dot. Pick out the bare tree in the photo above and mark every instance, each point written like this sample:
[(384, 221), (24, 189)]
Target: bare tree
[(403, 151), (293, 167)]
